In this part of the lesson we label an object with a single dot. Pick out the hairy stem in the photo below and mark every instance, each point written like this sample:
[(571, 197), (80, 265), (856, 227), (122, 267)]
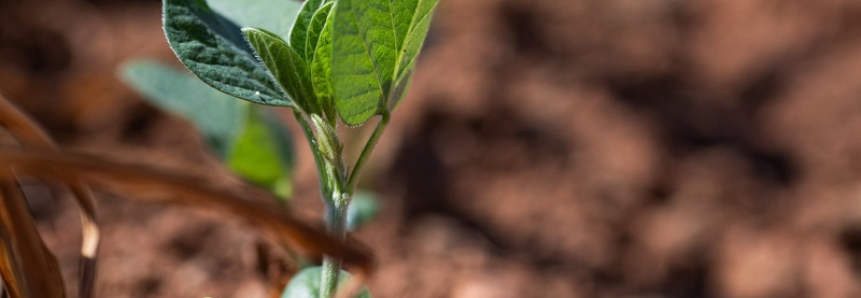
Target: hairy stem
[(333, 176), (318, 159), (336, 223), (341, 185)]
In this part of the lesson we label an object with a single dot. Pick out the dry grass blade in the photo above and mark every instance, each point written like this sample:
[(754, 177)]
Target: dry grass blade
[(190, 191), (28, 268), (31, 135)]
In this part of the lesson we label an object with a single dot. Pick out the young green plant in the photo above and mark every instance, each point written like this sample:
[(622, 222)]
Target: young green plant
[(330, 61)]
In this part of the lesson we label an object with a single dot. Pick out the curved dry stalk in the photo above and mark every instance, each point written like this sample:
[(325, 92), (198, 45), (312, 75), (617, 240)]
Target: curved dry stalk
[(31, 135), (28, 267), (190, 191)]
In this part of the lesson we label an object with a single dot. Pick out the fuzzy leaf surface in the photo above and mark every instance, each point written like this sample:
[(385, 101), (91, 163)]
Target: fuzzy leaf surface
[(213, 48)]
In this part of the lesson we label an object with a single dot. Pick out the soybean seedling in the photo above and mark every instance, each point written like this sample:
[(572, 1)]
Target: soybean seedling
[(332, 62)]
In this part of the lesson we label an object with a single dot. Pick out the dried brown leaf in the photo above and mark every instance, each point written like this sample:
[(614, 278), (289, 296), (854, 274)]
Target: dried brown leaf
[(31, 135), (28, 268), (193, 192)]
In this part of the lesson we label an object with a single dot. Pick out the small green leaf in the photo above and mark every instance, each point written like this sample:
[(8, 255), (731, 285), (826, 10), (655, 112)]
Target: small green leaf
[(363, 209), (419, 13), (258, 155), (299, 33), (213, 48), (321, 63), (216, 115), (276, 16), (375, 43), (315, 29), (306, 284), (285, 65)]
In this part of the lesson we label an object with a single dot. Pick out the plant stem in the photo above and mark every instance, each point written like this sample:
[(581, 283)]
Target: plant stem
[(338, 184), (318, 160), (336, 215), (333, 176), (366, 152)]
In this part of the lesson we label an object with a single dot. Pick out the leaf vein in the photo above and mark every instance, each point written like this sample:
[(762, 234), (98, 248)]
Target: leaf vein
[(367, 50)]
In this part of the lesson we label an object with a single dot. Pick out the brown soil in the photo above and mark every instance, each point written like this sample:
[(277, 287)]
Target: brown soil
[(595, 148)]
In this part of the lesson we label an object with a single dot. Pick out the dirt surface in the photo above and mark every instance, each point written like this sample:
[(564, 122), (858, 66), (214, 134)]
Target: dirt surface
[(594, 148)]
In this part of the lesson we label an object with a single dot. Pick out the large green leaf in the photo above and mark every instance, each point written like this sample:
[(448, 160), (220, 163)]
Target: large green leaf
[(276, 16), (374, 45), (299, 33), (260, 153), (306, 284), (363, 57), (214, 49), (216, 115), (288, 68)]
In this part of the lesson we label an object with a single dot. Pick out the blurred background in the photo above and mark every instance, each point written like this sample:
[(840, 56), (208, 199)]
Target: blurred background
[(547, 148)]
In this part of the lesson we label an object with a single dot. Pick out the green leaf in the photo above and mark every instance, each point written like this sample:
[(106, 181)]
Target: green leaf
[(251, 140), (306, 284), (216, 115), (411, 37), (420, 13), (363, 209), (299, 33), (276, 16), (283, 187), (321, 63), (315, 29), (213, 48), (288, 68), (374, 45), (260, 153), (363, 57)]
